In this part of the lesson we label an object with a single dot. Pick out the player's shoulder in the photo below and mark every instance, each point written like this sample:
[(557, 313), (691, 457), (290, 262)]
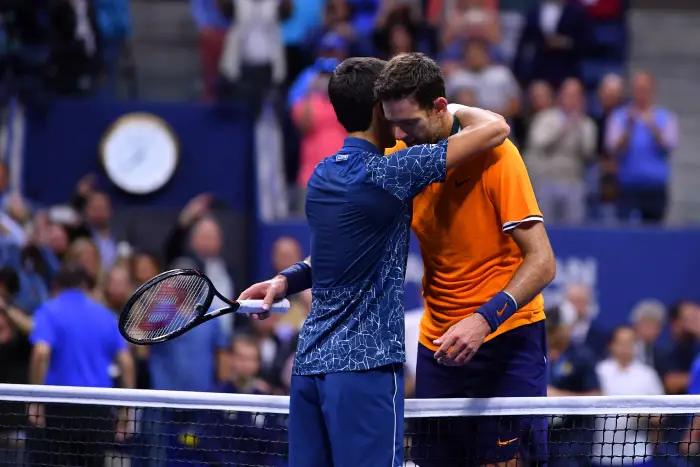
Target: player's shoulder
[(505, 153)]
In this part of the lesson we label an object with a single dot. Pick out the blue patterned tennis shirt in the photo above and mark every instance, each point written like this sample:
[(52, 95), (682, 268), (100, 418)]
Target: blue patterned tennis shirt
[(359, 207)]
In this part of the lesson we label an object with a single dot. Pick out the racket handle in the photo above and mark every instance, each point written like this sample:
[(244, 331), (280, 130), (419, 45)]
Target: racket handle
[(255, 306)]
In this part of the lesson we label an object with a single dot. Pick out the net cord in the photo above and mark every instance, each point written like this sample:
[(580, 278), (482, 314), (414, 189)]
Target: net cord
[(414, 408)]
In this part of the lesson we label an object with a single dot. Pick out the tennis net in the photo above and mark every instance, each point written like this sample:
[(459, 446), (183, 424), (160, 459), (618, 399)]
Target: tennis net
[(73, 426)]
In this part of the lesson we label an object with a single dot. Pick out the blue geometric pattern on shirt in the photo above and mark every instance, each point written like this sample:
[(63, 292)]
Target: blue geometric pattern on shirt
[(361, 326), (406, 172)]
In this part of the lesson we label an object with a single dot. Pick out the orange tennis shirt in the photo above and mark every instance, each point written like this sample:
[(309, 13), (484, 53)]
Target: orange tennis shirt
[(462, 226)]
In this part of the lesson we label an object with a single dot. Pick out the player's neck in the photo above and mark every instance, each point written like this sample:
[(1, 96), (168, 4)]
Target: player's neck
[(367, 136), (446, 125)]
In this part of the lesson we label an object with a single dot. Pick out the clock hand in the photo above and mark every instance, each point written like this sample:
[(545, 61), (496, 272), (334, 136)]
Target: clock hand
[(134, 160)]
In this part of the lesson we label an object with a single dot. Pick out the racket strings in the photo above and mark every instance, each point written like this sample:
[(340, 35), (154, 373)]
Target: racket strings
[(166, 307)]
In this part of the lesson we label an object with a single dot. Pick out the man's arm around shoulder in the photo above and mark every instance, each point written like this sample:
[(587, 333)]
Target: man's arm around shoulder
[(481, 130)]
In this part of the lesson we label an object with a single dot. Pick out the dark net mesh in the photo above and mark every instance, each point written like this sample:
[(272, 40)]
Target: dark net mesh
[(64, 435)]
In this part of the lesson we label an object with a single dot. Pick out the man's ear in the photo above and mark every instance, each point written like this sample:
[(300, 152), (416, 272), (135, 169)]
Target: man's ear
[(440, 106)]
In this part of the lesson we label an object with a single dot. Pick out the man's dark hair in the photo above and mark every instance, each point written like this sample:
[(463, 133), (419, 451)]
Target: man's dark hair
[(9, 279), (72, 276), (411, 75), (351, 92)]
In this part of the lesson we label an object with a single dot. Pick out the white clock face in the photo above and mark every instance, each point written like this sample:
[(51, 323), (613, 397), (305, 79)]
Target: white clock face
[(140, 154)]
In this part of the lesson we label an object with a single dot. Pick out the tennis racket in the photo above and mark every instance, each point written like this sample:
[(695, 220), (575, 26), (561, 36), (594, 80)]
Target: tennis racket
[(176, 301)]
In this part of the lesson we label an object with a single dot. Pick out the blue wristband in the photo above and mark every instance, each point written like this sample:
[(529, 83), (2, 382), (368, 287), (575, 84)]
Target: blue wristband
[(298, 277), (501, 307)]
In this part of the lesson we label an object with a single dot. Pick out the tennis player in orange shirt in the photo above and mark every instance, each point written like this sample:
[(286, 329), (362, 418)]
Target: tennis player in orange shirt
[(486, 258)]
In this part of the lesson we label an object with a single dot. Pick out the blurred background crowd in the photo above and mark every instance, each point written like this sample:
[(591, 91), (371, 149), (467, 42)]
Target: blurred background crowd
[(598, 143)]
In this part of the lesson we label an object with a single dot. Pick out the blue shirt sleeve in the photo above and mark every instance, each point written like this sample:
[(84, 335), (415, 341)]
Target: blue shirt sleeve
[(405, 173), (44, 328), (694, 384)]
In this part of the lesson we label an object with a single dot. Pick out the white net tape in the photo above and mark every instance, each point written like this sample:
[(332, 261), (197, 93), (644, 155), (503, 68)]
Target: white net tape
[(415, 408), (140, 428)]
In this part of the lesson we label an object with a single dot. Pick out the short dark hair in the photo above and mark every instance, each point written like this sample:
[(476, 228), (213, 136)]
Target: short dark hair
[(351, 92), (72, 276), (411, 75)]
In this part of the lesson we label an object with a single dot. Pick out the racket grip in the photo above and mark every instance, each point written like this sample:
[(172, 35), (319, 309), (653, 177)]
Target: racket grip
[(255, 306)]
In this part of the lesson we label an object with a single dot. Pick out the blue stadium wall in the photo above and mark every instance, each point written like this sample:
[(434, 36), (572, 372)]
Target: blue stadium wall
[(622, 265)]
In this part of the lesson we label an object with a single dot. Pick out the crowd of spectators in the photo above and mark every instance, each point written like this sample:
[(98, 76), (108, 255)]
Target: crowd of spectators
[(595, 142), (597, 147), (66, 275), (585, 360), (64, 48)]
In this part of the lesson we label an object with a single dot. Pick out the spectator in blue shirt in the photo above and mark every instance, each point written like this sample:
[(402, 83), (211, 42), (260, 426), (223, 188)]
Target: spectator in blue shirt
[(75, 341), (640, 138)]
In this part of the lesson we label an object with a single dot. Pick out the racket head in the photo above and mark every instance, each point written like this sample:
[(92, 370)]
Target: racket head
[(166, 306)]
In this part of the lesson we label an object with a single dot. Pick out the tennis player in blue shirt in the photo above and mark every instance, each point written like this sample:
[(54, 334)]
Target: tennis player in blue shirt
[(347, 389)]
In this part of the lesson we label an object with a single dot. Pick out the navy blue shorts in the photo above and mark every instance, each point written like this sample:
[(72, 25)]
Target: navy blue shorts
[(349, 419), (510, 365)]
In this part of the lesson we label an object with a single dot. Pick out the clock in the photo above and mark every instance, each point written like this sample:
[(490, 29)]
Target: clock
[(140, 153)]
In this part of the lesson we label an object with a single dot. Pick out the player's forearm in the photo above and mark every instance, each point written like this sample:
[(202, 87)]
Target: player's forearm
[(476, 139), (532, 276)]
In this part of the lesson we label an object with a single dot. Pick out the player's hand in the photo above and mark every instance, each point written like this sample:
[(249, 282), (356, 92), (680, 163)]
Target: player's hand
[(459, 344), (268, 292)]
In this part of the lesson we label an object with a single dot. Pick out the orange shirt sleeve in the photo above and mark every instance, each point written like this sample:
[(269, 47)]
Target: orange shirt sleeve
[(509, 188), (399, 146)]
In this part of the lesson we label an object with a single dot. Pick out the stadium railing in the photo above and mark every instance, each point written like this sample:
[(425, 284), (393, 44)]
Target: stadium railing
[(61, 426)]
